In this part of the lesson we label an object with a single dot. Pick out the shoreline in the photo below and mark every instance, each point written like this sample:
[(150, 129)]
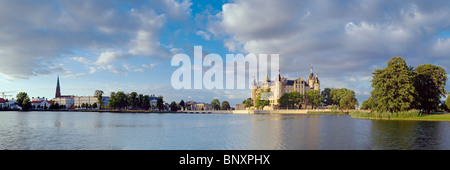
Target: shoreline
[(352, 113)]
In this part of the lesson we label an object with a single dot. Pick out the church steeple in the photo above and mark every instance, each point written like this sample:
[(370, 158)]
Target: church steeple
[(58, 90)]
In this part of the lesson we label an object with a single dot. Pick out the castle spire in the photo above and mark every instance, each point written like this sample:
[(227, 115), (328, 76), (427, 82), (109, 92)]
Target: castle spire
[(58, 89), (279, 76)]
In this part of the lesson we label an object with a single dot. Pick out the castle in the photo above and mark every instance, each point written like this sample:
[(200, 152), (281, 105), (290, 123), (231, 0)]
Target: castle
[(282, 85)]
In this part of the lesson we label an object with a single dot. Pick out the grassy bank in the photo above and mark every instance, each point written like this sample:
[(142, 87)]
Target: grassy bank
[(407, 115)]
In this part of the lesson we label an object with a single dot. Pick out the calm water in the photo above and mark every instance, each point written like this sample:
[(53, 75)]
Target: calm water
[(84, 130)]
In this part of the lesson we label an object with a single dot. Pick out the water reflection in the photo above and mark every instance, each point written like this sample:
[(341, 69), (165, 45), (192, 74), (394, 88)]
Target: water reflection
[(410, 135), (84, 130)]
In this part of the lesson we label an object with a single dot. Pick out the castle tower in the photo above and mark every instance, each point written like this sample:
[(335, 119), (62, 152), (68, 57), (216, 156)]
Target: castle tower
[(58, 89), (311, 79), (253, 89), (317, 83)]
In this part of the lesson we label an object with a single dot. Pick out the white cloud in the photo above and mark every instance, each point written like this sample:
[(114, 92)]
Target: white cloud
[(109, 56), (344, 39), (204, 34), (53, 31)]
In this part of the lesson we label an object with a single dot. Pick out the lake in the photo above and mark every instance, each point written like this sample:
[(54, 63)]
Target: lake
[(128, 131)]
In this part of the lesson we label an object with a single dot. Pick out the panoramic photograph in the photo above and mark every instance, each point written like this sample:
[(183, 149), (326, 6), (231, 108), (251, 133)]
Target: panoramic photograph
[(224, 75)]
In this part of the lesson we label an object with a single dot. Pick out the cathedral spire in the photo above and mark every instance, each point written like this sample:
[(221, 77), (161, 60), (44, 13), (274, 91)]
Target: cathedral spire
[(58, 89)]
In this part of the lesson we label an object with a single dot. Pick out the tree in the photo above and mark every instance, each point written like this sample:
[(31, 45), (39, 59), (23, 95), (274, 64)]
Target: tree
[(215, 103), (393, 87), (248, 102), (160, 103), (112, 101), (314, 98), (182, 104), (348, 102), (173, 106), (54, 106), (368, 104), (94, 105), (23, 101), (140, 101), (225, 105), (132, 100), (99, 95), (326, 94), (146, 102), (447, 102), (291, 99), (429, 82), (260, 103), (337, 94), (121, 100)]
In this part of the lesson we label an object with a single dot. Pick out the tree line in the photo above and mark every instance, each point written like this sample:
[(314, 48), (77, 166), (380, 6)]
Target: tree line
[(399, 87), (131, 101), (340, 98)]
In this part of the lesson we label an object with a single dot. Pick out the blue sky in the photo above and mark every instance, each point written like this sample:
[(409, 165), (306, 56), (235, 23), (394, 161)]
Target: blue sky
[(128, 45)]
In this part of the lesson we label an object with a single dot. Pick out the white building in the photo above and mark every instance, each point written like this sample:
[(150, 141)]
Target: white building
[(40, 103), (67, 101), (79, 100)]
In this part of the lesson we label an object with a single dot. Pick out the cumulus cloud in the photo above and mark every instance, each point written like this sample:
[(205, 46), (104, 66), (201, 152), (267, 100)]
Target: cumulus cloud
[(38, 34), (341, 39)]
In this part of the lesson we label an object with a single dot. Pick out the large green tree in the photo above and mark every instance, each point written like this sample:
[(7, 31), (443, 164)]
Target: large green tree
[(314, 98), (215, 103), (132, 99), (368, 104), (23, 101), (160, 103), (336, 95), (348, 102), (429, 82), (225, 105), (99, 95), (393, 87), (112, 101), (327, 98), (248, 102), (121, 100), (173, 106), (146, 102), (291, 99)]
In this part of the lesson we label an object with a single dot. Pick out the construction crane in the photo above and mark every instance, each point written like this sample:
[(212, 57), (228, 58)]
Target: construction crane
[(4, 95)]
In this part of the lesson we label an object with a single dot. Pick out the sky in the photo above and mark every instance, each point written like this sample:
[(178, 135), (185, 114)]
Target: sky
[(127, 45)]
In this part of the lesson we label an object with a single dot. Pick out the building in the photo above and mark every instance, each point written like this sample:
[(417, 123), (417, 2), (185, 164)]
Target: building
[(90, 100), (66, 100), (239, 107), (3, 103), (153, 101), (202, 106), (282, 85), (40, 103)]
